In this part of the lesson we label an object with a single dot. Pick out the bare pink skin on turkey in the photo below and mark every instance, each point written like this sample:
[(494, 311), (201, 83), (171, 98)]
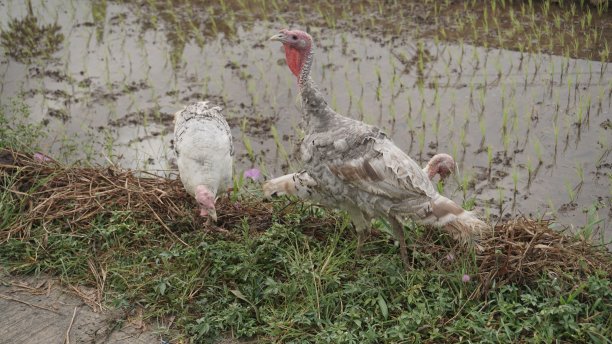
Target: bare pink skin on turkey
[(297, 44), (442, 164), (206, 200)]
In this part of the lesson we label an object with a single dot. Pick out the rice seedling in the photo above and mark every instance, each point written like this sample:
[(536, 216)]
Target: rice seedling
[(500, 200), (489, 160), (279, 146), (465, 180), (485, 18), (420, 57), (569, 189), (348, 88), (580, 173), (537, 148), (462, 137), (588, 231), (506, 142), (246, 141), (421, 142), (530, 172), (471, 88), (361, 108), (393, 113)]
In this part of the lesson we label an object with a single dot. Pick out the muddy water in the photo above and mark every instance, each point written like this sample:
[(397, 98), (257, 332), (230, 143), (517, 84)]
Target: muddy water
[(531, 132)]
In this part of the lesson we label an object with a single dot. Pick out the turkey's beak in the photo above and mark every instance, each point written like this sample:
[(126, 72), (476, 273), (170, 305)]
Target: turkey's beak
[(278, 37), (211, 213)]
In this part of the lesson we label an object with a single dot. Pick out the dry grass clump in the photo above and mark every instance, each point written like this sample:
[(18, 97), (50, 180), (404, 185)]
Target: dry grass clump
[(521, 249), (518, 252), (76, 195), (51, 192)]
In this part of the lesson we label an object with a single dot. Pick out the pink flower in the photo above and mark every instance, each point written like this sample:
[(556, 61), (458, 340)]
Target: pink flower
[(40, 157), (450, 257), (465, 278), (253, 173)]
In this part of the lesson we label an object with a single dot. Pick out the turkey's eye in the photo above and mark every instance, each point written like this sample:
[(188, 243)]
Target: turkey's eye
[(294, 37)]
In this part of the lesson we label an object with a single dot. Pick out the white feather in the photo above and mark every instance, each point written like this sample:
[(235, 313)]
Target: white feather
[(204, 148)]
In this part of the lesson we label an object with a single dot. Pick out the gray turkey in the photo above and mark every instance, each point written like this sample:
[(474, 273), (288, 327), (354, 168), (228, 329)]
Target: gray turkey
[(300, 184), (359, 169), (204, 153)]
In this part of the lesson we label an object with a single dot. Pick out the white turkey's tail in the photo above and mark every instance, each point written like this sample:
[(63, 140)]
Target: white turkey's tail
[(297, 184), (463, 225), (201, 108)]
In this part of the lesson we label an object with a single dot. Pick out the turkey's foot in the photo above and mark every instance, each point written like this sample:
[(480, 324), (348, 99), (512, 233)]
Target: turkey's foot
[(210, 226)]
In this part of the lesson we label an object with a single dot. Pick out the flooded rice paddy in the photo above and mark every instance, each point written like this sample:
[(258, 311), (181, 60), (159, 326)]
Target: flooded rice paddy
[(530, 126)]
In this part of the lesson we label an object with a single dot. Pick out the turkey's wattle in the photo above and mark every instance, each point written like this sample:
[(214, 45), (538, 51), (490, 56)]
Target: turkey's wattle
[(356, 167), (296, 58), (204, 153)]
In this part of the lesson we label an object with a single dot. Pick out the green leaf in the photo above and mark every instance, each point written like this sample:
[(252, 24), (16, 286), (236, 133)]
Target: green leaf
[(383, 306), (162, 288), (241, 296)]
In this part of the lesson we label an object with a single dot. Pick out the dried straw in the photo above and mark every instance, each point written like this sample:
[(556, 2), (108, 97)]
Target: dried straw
[(77, 195), (50, 192), (519, 251), (523, 249)]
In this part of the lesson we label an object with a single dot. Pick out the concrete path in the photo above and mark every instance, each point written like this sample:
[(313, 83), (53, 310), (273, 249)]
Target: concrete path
[(39, 310)]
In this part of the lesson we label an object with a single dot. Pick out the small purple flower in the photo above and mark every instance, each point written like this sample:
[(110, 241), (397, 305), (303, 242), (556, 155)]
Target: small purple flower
[(253, 173), (450, 257), (465, 278), (40, 157)]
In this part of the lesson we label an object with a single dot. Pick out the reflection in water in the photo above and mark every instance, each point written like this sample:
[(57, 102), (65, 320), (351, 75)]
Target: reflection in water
[(528, 130), (26, 39)]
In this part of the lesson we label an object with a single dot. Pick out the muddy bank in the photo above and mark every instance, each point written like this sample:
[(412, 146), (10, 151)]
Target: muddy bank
[(530, 130)]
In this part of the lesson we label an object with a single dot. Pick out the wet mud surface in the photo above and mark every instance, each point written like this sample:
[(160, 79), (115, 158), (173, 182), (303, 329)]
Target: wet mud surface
[(525, 114)]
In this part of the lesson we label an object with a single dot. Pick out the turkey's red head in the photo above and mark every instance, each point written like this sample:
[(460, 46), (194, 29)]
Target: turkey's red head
[(206, 201), (297, 46)]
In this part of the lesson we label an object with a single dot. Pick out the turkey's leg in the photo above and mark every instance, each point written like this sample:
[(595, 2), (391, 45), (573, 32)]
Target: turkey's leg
[(361, 237), (398, 232), (361, 227)]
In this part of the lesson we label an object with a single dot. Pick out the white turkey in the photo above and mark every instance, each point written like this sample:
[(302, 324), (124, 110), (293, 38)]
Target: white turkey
[(359, 169), (204, 153)]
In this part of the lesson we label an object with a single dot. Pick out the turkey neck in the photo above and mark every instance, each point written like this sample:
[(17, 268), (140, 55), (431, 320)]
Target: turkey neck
[(317, 114)]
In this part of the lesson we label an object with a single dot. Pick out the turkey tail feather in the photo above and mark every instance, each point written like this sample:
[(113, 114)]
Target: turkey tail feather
[(463, 225), (284, 185), (296, 184)]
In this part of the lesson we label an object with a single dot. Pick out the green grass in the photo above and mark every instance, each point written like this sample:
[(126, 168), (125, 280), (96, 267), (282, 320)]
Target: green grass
[(284, 285), (18, 134), (293, 283)]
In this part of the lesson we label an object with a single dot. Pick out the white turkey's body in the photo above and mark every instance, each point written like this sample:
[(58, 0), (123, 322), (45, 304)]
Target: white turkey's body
[(204, 148)]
